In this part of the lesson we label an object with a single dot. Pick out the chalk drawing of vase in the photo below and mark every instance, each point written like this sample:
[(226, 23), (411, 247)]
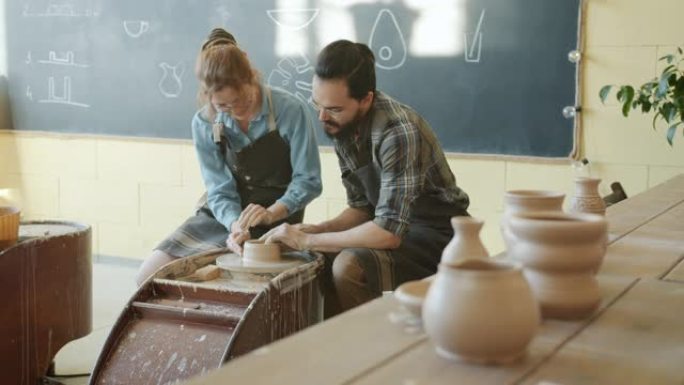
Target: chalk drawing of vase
[(170, 84), (387, 41), (135, 28), (293, 19)]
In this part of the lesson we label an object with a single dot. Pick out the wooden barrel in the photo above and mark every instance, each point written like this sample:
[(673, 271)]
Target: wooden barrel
[(46, 284)]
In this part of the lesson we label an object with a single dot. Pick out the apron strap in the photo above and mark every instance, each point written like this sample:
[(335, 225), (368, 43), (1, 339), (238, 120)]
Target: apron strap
[(222, 142), (217, 134), (217, 128)]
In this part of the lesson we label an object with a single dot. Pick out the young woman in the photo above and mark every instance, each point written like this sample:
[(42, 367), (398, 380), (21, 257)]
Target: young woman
[(257, 152)]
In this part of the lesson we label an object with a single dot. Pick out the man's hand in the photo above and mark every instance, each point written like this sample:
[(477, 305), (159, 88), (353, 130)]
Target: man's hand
[(289, 236), (309, 228)]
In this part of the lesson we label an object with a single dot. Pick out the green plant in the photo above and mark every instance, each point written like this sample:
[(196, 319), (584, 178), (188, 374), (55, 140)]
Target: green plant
[(663, 95)]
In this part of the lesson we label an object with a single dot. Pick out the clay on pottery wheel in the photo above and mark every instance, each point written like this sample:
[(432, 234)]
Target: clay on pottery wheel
[(257, 251)]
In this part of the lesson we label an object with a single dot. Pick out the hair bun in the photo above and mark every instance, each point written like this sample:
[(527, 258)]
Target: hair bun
[(219, 36)]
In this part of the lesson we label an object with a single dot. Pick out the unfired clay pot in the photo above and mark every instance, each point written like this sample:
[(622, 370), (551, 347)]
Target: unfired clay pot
[(254, 250), (560, 253), (481, 311), (518, 201), (466, 243), (9, 226), (411, 295), (587, 198)]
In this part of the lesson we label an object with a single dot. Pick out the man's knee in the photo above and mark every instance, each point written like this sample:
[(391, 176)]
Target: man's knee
[(347, 266)]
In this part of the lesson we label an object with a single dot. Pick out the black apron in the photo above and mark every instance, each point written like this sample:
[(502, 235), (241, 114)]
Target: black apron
[(421, 248), (262, 173)]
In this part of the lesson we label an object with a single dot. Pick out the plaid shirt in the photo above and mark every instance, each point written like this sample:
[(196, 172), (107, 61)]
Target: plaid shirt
[(409, 160)]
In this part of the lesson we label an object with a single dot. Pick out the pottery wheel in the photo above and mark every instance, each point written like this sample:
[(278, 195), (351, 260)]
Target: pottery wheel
[(234, 262)]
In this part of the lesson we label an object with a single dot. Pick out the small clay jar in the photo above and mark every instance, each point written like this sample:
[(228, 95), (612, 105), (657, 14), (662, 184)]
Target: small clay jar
[(466, 242), (586, 198), (561, 253), (9, 226), (480, 311), (255, 250), (519, 201)]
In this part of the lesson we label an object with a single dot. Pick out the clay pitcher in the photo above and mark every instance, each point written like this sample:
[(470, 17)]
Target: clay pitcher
[(466, 242), (480, 311), (587, 198)]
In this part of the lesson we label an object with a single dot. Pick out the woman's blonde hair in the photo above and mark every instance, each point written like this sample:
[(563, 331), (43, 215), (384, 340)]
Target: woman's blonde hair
[(221, 63)]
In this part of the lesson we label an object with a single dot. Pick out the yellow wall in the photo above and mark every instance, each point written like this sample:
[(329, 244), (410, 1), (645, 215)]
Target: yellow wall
[(134, 192)]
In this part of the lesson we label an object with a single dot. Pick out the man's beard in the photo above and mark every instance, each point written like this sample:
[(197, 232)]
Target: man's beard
[(345, 131)]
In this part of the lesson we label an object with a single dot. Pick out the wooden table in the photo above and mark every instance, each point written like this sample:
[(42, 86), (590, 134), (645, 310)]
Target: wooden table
[(635, 337)]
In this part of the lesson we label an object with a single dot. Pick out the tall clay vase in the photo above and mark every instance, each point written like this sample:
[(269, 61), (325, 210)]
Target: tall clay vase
[(518, 201), (587, 198), (466, 242), (480, 311), (560, 253)]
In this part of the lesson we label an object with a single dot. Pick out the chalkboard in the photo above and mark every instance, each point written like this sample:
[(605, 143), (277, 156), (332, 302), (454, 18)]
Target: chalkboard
[(491, 76)]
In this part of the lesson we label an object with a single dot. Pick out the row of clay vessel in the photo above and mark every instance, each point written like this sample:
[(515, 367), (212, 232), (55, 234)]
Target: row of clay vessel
[(487, 311)]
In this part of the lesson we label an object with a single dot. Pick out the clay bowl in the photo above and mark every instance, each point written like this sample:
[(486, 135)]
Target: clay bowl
[(255, 250), (411, 295), (9, 226), (533, 200)]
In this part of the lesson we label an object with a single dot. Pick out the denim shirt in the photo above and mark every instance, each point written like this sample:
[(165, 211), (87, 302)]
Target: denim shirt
[(295, 126)]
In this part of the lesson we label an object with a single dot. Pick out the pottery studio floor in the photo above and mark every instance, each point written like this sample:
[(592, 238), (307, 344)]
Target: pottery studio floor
[(113, 285)]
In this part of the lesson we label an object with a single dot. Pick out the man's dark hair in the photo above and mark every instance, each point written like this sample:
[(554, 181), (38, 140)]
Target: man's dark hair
[(354, 62)]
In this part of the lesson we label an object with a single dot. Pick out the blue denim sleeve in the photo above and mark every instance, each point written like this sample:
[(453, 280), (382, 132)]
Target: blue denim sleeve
[(222, 196), (296, 125)]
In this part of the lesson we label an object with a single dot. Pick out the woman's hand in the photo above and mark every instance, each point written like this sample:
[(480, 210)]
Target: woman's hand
[(254, 215), (235, 241), (237, 237)]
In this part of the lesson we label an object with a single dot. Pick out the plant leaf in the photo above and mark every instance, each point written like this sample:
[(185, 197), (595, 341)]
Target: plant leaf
[(603, 94), (669, 58), (672, 80), (666, 111), (662, 87), (645, 106), (627, 94), (673, 114), (669, 69), (671, 133), (655, 117), (679, 86), (647, 88), (680, 52)]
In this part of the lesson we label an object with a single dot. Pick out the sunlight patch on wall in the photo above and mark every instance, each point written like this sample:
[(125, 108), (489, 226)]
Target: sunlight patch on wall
[(291, 18), (438, 29)]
